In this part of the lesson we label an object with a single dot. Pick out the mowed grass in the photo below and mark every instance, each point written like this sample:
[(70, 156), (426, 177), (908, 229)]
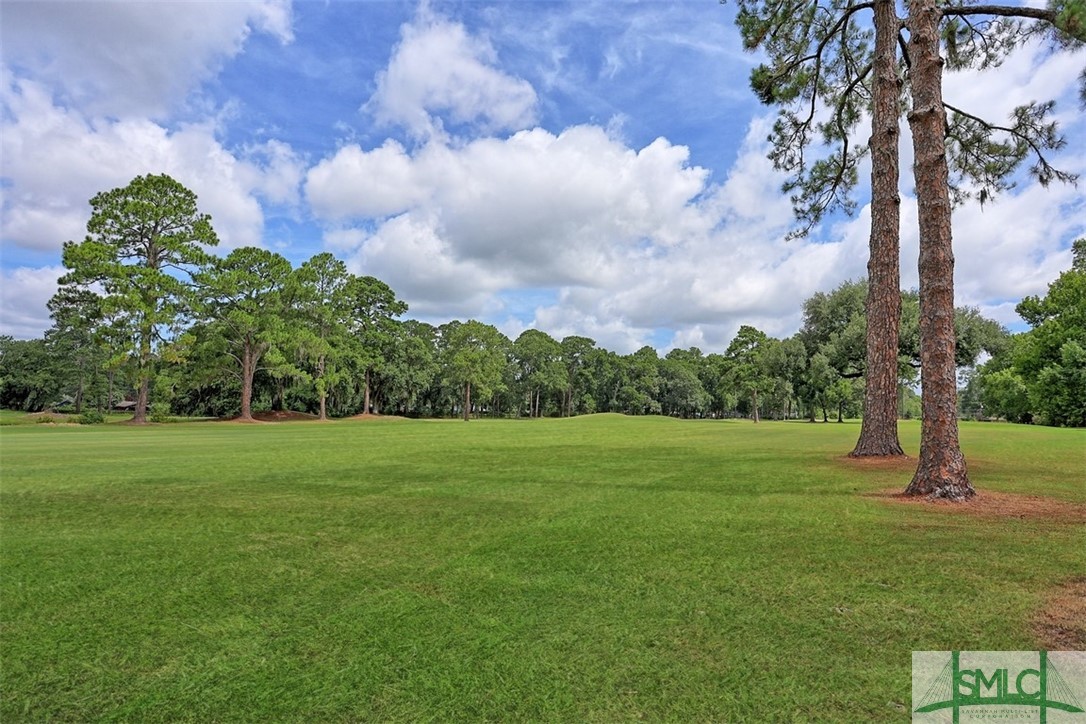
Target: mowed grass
[(593, 569)]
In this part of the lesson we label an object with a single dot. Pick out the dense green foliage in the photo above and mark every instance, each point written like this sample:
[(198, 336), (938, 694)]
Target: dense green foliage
[(352, 348), (1041, 374), (256, 314), (600, 568)]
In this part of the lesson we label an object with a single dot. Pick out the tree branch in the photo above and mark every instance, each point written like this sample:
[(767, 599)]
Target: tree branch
[(1016, 134), (1003, 11)]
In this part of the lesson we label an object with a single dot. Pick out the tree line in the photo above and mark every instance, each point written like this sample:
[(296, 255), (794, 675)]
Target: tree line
[(146, 312), (263, 336)]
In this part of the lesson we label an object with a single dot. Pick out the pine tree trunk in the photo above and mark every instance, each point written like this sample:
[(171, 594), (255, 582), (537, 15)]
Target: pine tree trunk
[(79, 391), (143, 394), (941, 472), (247, 371), (366, 403), (755, 400), (878, 431), (467, 401), (280, 395), (321, 391)]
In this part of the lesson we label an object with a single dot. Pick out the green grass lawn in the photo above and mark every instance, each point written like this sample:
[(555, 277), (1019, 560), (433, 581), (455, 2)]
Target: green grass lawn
[(593, 569)]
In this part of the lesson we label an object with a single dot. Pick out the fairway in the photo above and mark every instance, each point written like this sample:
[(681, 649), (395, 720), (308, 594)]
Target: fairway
[(598, 568)]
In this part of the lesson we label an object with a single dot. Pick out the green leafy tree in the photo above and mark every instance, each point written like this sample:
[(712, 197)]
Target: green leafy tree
[(718, 383), (539, 368), (681, 391), (1049, 358), (410, 364), (143, 243), (74, 340), (1004, 394), (639, 388), (243, 298), (608, 375), (577, 353), (475, 360), (975, 334), (319, 292), (750, 373), (27, 379), (819, 380), (833, 324), (788, 366), (373, 312)]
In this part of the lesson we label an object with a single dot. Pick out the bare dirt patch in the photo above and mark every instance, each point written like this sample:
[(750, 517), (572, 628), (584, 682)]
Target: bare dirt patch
[(1060, 625), (283, 416), (990, 504)]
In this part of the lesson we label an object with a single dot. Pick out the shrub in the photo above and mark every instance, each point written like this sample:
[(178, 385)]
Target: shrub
[(160, 412), (91, 417)]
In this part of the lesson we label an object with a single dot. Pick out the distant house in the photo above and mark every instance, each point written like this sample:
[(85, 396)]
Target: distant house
[(124, 405)]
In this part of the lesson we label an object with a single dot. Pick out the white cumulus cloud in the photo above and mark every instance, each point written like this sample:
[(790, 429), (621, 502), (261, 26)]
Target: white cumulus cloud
[(24, 294), (55, 160), (125, 59), (437, 70)]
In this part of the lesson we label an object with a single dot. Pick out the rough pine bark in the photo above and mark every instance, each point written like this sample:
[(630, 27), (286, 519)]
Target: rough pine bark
[(142, 396), (248, 370), (143, 393), (366, 402), (323, 393), (467, 401), (941, 471), (878, 432), (79, 391)]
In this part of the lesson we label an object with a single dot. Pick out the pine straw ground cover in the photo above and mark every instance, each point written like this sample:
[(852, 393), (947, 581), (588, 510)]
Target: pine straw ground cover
[(599, 569)]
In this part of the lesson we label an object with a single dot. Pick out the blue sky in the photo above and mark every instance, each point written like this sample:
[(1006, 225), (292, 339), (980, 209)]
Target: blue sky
[(591, 168)]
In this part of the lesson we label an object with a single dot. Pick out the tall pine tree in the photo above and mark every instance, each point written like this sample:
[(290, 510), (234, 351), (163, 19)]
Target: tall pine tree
[(144, 241), (823, 72)]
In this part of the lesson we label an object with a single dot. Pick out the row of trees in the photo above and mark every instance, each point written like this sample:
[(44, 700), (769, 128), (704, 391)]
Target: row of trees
[(260, 335), (145, 308), (829, 62)]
